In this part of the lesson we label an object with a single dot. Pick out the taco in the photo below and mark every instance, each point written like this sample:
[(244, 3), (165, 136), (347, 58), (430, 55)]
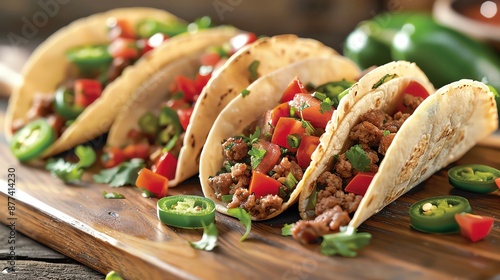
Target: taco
[(66, 76), (151, 125), (260, 58), (268, 134), (390, 141)]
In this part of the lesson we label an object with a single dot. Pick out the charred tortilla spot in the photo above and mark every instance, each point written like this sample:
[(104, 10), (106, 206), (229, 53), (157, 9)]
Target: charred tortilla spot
[(282, 51), (378, 103), (346, 107), (192, 141), (423, 171), (460, 137), (407, 169)]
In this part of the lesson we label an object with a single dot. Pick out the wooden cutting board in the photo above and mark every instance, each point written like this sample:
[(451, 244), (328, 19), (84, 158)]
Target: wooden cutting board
[(126, 236)]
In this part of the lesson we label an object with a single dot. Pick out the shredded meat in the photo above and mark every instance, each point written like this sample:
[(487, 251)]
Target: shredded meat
[(343, 167), (41, 107), (241, 175), (395, 123), (259, 208), (235, 149), (330, 220), (57, 123), (411, 102), (366, 133), (221, 184), (373, 156), (117, 67), (376, 117), (385, 143)]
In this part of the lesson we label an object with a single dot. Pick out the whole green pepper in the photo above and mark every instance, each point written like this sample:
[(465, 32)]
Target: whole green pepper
[(445, 55)]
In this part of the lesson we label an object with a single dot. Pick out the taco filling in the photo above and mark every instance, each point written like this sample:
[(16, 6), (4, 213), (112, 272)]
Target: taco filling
[(263, 166), (159, 134), (91, 68), (339, 189)]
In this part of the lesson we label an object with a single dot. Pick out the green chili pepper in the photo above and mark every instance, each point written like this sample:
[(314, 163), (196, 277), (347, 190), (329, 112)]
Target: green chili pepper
[(170, 126), (334, 90), (186, 211), (437, 214), (476, 178), (30, 141), (88, 58), (64, 104), (149, 27), (148, 123), (444, 54)]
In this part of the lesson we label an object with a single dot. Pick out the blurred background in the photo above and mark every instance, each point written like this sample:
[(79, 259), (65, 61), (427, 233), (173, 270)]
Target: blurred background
[(326, 20)]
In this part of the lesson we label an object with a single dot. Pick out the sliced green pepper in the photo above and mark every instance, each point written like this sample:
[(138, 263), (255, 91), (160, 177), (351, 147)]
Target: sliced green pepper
[(148, 123), (87, 58), (30, 141), (170, 126), (186, 211), (149, 27), (437, 214), (476, 178), (64, 104)]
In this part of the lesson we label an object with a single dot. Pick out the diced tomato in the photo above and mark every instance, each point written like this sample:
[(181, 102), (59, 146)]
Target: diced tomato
[(497, 181), (165, 165), (294, 87), (474, 227), (123, 48), (184, 116), (113, 157), (262, 185), (271, 157), (285, 127), (153, 182), (306, 147), (87, 91), (140, 150), (304, 100), (209, 58), (177, 104), (120, 28), (241, 40), (414, 88), (201, 81), (280, 111), (188, 87), (360, 183), (317, 118)]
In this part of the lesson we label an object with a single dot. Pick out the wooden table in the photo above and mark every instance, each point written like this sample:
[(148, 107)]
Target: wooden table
[(126, 236)]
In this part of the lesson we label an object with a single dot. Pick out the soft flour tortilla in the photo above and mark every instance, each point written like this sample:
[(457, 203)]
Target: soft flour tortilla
[(445, 126), (272, 53), (264, 95), (147, 86), (47, 68)]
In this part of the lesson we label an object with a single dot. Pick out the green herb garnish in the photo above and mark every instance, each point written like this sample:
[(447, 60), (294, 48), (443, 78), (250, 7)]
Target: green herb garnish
[(208, 240), (386, 132), (69, 171), (290, 181), (121, 175), (112, 195), (310, 130), (286, 230), (384, 79), (244, 218), (256, 156), (344, 243), (252, 68), (358, 158), (245, 92), (227, 198)]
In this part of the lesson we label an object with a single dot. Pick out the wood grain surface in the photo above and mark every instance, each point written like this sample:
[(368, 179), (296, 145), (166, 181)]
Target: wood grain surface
[(126, 236)]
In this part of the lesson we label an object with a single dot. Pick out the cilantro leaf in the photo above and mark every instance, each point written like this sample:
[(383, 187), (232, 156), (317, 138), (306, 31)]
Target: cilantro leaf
[(345, 242), (69, 171), (286, 230), (386, 132), (326, 105), (358, 158), (244, 218), (208, 240), (252, 68), (254, 137), (113, 195), (245, 92), (121, 175), (256, 156)]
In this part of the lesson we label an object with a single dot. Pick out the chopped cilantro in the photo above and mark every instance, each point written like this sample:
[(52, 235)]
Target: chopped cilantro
[(386, 132), (252, 68), (245, 92), (358, 158), (208, 240), (244, 218), (256, 156), (326, 105), (254, 137), (286, 230), (345, 242), (308, 126), (227, 198), (69, 171), (121, 175), (113, 195)]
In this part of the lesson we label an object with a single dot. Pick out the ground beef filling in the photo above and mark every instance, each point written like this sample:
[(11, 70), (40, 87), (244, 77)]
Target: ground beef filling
[(334, 207), (237, 181)]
